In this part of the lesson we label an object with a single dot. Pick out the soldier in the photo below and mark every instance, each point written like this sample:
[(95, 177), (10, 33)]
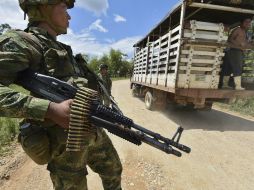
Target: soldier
[(44, 129), (107, 82), (233, 60)]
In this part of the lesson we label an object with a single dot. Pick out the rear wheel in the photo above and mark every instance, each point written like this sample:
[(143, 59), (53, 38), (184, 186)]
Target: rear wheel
[(149, 102)]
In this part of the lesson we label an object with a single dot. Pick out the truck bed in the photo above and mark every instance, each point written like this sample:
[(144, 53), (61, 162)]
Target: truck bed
[(214, 93), (202, 93)]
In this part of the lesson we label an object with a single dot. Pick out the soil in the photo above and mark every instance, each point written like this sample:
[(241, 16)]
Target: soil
[(222, 152)]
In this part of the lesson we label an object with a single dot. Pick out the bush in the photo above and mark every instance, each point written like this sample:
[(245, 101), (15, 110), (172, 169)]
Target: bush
[(8, 133), (244, 106)]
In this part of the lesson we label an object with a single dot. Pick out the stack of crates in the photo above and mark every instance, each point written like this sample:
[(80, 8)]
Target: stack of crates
[(201, 55)]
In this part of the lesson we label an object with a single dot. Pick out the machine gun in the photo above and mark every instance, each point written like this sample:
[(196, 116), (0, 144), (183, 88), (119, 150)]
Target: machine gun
[(87, 112)]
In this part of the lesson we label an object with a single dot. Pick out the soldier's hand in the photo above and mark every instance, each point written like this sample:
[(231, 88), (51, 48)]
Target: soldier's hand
[(60, 113)]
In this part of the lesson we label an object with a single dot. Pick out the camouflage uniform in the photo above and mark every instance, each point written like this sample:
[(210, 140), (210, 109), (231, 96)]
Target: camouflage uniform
[(108, 85), (40, 52)]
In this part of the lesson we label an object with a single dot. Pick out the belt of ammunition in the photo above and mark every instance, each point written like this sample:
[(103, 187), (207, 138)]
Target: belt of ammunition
[(80, 127)]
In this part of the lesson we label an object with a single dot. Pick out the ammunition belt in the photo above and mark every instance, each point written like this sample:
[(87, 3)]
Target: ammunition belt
[(80, 127)]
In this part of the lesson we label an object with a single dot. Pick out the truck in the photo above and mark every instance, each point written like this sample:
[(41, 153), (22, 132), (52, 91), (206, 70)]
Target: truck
[(180, 59)]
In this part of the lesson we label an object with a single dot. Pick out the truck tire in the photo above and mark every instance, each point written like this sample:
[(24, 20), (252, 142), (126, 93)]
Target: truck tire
[(149, 100)]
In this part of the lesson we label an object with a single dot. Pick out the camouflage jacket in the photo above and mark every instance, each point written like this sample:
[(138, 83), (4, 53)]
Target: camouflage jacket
[(107, 82), (39, 51)]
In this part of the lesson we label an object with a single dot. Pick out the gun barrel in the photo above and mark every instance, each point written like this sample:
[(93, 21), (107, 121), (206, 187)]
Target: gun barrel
[(134, 137), (164, 139), (157, 144)]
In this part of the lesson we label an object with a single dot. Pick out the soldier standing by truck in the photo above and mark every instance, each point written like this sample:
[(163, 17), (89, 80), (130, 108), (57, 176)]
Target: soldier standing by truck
[(104, 75), (45, 128), (234, 56)]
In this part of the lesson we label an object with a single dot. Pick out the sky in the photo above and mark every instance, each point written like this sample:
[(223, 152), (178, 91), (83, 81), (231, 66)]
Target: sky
[(96, 26)]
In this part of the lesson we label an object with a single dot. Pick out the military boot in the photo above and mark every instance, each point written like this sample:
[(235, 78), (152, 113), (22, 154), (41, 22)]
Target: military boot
[(238, 81), (225, 82)]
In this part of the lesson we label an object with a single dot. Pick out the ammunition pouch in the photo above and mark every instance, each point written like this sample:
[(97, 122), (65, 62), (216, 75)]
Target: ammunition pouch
[(35, 142)]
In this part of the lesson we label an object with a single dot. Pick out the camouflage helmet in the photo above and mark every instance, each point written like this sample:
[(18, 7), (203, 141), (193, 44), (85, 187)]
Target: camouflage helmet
[(103, 66), (25, 4)]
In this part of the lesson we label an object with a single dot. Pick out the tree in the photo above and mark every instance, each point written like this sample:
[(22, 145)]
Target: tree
[(4, 28), (94, 64), (116, 62), (118, 67)]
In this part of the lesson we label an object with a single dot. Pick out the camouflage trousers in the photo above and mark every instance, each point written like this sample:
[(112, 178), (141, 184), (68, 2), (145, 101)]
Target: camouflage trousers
[(68, 169)]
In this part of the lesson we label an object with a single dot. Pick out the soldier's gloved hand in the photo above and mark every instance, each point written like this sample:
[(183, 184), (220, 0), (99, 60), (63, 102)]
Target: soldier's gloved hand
[(59, 113)]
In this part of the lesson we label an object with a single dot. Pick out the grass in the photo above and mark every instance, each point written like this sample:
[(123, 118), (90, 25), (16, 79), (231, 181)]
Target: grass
[(8, 133), (244, 106), (9, 128), (119, 78)]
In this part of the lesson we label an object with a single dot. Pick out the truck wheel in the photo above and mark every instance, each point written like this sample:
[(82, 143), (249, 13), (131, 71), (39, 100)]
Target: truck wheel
[(149, 102)]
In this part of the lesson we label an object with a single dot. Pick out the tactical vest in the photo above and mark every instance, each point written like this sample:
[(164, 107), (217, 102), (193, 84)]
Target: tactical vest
[(58, 61)]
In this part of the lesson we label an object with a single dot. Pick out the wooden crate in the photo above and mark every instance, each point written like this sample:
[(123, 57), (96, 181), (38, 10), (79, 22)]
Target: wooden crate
[(199, 66), (200, 62), (196, 30), (197, 81)]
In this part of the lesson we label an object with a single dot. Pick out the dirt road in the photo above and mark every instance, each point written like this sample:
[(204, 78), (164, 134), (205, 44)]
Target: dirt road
[(221, 159)]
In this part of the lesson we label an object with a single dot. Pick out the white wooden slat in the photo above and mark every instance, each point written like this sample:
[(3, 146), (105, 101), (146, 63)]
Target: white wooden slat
[(206, 26), (198, 81), (164, 43), (171, 67), (205, 36), (175, 29), (173, 53), (164, 56), (165, 36), (157, 42), (184, 68), (164, 51), (162, 69), (205, 61), (187, 52), (177, 37), (163, 62), (172, 60), (174, 46)]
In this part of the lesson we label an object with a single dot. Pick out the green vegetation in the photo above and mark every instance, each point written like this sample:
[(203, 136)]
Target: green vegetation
[(9, 127), (243, 106), (4, 27), (118, 66), (8, 133)]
